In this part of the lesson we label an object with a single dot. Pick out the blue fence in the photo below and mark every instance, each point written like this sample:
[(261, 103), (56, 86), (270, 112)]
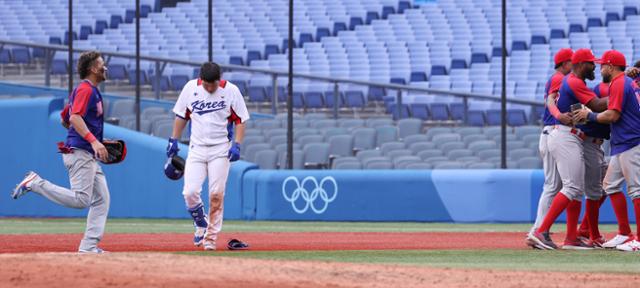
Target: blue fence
[(139, 188)]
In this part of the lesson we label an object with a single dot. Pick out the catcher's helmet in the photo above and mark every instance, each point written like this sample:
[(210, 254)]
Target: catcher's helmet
[(174, 168)]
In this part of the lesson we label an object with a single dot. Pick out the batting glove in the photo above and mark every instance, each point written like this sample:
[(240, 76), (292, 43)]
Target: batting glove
[(172, 147), (234, 152)]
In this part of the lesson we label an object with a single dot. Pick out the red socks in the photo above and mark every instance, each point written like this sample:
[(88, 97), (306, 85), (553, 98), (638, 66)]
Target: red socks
[(619, 202), (573, 214), (592, 214), (560, 202), (584, 225), (636, 207)]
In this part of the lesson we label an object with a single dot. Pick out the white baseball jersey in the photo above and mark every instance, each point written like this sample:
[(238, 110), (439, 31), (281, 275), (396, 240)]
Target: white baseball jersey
[(210, 114)]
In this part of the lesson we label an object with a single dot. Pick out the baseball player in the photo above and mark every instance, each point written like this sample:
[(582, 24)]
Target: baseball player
[(213, 106), (83, 117), (552, 183), (566, 147), (623, 114)]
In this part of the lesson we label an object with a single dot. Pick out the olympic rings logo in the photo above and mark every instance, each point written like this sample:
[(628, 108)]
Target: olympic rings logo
[(318, 193)]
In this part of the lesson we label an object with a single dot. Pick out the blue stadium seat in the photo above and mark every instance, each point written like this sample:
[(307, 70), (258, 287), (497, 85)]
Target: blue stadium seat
[(574, 28), (536, 114), (270, 49), (376, 93), (66, 37), (337, 27), (354, 99), (400, 81), (115, 21), (165, 84), (458, 64), (298, 100), (253, 55), (404, 111), (538, 39), (143, 77), (457, 111), (439, 111), (403, 5), (322, 32), (282, 93), (497, 52), (418, 77), (557, 34), (129, 16), (629, 11), (145, 10), (594, 22), (58, 67), (493, 117), (55, 40), (117, 72), (518, 46), (516, 117), (101, 25), (611, 16), (475, 118), (371, 15), (236, 60), (304, 38), (5, 56), (438, 70), (178, 81), (21, 55), (387, 10), (420, 111), (285, 44), (313, 100), (38, 53), (479, 58), (355, 21), (85, 31), (257, 94)]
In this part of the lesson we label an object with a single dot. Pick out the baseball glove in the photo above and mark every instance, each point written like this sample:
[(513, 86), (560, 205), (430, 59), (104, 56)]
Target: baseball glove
[(235, 244), (117, 150)]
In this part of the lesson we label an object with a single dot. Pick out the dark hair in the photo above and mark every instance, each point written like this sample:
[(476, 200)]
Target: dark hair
[(86, 61), (620, 68), (637, 65), (210, 72)]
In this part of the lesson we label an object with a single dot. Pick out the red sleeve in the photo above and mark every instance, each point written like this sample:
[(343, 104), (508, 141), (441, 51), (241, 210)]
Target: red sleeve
[(234, 118), (582, 92), (65, 113), (556, 82), (616, 95), (81, 100)]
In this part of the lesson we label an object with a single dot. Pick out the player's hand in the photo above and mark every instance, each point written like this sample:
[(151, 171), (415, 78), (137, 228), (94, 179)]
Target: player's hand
[(234, 152), (172, 147), (580, 115), (100, 152), (566, 119), (633, 72)]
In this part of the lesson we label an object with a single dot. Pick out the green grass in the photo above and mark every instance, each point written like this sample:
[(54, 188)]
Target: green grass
[(526, 260), (76, 225)]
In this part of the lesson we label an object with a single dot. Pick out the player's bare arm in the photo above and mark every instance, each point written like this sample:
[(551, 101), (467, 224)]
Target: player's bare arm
[(598, 104), (178, 127), (564, 118), (239, 133), (78, 123)]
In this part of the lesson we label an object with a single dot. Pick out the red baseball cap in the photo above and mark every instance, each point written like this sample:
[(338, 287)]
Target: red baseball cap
[(612, 57), (563, 55), (583, 55)]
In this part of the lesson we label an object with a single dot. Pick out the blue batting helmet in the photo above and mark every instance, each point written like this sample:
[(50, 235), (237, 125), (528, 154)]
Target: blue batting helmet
[(174, 168)]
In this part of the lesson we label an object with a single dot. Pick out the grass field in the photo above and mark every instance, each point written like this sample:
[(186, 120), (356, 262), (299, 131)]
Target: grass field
[(508, 259)]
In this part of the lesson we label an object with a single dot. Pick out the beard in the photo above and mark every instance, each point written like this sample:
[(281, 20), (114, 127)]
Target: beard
[(606, 78), (590, 75)]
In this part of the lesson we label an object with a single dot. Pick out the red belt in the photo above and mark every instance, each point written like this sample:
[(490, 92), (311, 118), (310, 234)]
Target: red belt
[(576, 132)]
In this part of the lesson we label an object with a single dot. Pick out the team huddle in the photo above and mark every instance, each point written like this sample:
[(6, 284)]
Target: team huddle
[(577, 121)]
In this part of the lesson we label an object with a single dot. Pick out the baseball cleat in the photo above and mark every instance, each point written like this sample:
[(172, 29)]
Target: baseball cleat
[(542, 240), (24, 186), (198, 237), (532, 243), (618, 240), (576, 245), (209, 246), (94, 250), (630, 246), (598, 243)]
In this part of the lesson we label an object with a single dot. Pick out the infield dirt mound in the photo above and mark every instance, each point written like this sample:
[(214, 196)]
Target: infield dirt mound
[(164, 242)]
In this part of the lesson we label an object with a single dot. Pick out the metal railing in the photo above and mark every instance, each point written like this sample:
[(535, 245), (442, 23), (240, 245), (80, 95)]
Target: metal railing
[(161, 63)]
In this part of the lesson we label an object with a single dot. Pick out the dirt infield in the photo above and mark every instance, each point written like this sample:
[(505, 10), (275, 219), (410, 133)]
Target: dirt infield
[(171, 270), (167, 242)]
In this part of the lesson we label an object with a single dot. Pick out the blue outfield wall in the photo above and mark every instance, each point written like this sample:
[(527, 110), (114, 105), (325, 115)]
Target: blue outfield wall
[(140, 189)]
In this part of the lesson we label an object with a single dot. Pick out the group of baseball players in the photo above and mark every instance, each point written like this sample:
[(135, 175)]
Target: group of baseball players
[(577, 121), (213, 105)]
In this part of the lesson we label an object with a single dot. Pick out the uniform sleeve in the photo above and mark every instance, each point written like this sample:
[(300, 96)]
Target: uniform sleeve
[(616, 95), (181, 108), (556, 82), (239, 112), (64, 115), (81, 100), (582, 92)]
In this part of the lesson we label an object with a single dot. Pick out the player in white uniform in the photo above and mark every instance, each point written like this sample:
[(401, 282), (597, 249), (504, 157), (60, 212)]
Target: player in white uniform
[(213, 106)]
